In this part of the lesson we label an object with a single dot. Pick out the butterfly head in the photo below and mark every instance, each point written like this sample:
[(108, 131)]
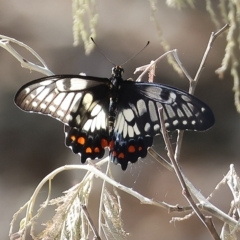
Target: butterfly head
[(117, 72)]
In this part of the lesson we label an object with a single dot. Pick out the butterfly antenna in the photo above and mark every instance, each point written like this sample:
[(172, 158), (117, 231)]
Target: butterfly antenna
[(135, 54), (98, 48)]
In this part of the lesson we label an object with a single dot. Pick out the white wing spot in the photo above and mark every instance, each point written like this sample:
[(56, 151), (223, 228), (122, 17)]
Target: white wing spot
[(43, 94), (74, 105), (100, 120), (125, 129), (184, 122), (27, 90), (121, 124), (152, 111), (69, 117), (157, 127), (87, 100), (45, 83), (52, 108), (141, 106), (60, 113), (173, 95), (170, 111), (175, 122), (43, 106), (193, 122), (96, 110), (203, 109), (136, 130), (49, 97), (87, 125), (78, 119), (190, 106), (34, 104), (186, 110), (67, 101), (167, 125), (118, 120), (128, 114), (186, 98), (180, 113), (93, 126), (130, 131), (147, 127), (38, 90), (57, 101)]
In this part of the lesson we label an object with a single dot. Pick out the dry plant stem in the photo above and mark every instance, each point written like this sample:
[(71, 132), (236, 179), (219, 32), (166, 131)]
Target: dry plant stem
[(160, 159), (93, 170), (204, 203), (193, 82), (101, 202), (96, 236), (5, 43), (206, 221), (150, 65), (213, 37)]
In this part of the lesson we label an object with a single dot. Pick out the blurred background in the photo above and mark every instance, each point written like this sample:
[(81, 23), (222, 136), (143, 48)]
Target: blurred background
[(31, 145)]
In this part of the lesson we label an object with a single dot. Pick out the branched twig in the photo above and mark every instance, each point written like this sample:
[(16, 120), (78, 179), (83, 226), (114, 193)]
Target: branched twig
[(193, 82), (213, 37), (96, 235), (146, 68), (101, 202), (207, 221), (94, 171), (5, 43)]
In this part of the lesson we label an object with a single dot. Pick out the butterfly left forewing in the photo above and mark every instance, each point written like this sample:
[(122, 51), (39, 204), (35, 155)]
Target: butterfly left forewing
[(57, 96)]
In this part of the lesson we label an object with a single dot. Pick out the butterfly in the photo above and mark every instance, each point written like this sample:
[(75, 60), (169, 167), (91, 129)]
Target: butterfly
[(121, 115)]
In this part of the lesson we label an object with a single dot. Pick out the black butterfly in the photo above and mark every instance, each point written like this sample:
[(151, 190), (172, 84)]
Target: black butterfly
[(115, 113)]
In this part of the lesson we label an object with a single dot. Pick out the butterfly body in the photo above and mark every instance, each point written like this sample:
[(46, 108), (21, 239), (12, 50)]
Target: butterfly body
[(113, 113)]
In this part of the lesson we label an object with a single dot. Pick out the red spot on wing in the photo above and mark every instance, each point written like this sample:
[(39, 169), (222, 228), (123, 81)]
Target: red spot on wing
[(104, 143), (73, 138), (111, 145), (121, 155), (96, 150), (88, 150), (81, 140), (131, 149)]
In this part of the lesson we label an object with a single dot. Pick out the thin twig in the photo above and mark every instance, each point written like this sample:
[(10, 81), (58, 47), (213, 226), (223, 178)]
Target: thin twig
[(96, 235), (205, 220), (213, 37), (147, 67), (5, 43), (94, 171), (193, 82), (101, 202)]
